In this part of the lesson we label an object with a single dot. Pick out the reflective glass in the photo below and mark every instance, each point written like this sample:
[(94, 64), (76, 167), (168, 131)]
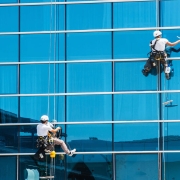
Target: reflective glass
[(170, 105), (129, 107), (9, 48), (132, 44), (44, 18), (167, 18), (128, 74), (10, 21), (42, 78), (8, 79), (134, 14), (136, 137), (32, 108), (8, 139), (86, 77), (171, 136), (96, 45), (42, 47), (88, 16), (8, 110), (37, 1), (89, 108), (137, 166), (91, 137), (8, 1), (8, 167), (170, 166), (90, 167)]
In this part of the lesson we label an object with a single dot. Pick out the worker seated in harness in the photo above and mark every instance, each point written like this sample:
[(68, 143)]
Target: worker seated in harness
[(46, 139), (158, 53)]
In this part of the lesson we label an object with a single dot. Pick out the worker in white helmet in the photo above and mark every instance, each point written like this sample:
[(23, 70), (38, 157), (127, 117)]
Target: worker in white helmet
[(157, 46), (45, 127)]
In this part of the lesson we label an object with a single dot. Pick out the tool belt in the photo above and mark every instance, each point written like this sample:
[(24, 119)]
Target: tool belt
[(158, 55), (44, 141)]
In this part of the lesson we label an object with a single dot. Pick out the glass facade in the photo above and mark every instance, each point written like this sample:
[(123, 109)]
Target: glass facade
[(80, 63)]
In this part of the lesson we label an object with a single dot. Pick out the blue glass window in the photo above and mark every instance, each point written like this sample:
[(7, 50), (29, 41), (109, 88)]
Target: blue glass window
[(136, 107), (9, 48), (8, 167), (89, 108), (167, 17), (43, 18), (128, 74), (89, 45), (40, 78), (170, 104), (170, 165), (136, 166), (8, 109), (42, 47), (85, 77), (132, 44), (88, 16), (8, 79), (90, 167), (136, 137), (9, 139), (9, 22), (134, 14), (91, 137), (32, 108), (171, 136), (8, 1)]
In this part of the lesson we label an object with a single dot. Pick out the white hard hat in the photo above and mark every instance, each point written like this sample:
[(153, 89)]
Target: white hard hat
[(44, 118), (157, 33)]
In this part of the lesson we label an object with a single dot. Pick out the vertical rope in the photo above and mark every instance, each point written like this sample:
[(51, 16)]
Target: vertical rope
[(50, 46)]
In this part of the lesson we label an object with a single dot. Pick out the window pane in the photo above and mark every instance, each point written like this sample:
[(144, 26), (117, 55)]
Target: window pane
[(89, 46), (128, 74), (40, 78), (137, 166), (91, 137), (8, 79), (89, 108), (9, 48), (136, 137), (8, 109), (170, 105), (170, 166), (9, 139), (8, 167), (43, 18), (136, 107), (167, 17), (42, 47), (134, 14), (8, 1), (90, 167), (132, 44), (86, 77), (171, 136), (34, 107), (9, 22), (84, 16)]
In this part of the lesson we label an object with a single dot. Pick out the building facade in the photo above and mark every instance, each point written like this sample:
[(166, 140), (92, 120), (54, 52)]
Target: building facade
[(80, 63)]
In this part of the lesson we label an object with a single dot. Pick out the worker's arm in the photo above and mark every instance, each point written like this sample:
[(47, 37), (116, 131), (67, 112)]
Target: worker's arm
[(173, 44), (55, 130)]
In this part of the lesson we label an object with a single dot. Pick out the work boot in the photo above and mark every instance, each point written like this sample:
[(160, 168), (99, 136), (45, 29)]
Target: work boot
[(145, 73)]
